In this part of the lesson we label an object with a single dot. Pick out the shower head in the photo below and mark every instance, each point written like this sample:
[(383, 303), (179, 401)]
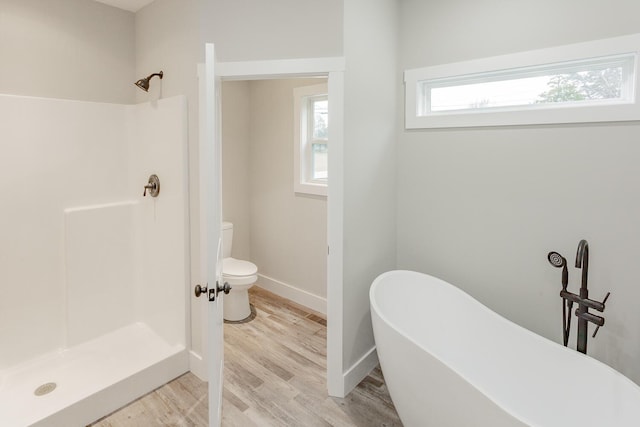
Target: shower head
[(144, 83), (558, 261)]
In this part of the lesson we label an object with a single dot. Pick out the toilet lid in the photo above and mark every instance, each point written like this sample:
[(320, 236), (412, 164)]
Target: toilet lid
[(238, 267)]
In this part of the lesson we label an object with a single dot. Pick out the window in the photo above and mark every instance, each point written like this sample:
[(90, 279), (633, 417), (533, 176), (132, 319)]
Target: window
[(591, 81), (587, 82), (311, 139)]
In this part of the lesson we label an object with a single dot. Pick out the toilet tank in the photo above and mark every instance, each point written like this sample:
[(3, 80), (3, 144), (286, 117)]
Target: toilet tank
[(227, 239)]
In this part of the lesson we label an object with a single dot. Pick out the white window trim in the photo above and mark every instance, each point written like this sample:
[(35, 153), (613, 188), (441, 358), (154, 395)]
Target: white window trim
[(552, 114), (300, 183)]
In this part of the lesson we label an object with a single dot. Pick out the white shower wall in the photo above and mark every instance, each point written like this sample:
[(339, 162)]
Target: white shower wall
[(100, 263), (54, 154), (158, 145), (82, 251)]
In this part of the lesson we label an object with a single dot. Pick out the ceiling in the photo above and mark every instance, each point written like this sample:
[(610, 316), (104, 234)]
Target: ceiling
[(130, 5)]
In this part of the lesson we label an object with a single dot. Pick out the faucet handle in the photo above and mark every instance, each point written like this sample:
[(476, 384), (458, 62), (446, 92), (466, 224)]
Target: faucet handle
[(589, 317), (595, 332), (589, 303), (153, 186)]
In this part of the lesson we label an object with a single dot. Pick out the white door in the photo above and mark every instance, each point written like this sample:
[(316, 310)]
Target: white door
[(210, 229)]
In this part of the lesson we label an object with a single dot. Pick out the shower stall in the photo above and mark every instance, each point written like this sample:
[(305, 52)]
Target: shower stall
[(93, 275)]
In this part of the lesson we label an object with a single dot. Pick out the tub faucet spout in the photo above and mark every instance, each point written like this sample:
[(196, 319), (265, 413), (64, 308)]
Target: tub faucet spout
[(582, 261)]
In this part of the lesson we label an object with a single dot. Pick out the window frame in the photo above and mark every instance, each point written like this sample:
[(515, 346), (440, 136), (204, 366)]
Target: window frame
[(303, 182), (516, 65)]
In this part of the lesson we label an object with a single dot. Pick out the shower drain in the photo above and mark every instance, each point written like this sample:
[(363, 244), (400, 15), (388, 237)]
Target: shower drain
[(45, 389)]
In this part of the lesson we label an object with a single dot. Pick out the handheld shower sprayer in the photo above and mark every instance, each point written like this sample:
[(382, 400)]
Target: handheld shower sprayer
[(557, 260), (144, 83)]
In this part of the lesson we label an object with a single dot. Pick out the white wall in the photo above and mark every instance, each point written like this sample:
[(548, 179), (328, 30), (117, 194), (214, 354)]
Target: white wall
[(481, 208), (370, 35), (249, 30), (286, 232), (72, 49)]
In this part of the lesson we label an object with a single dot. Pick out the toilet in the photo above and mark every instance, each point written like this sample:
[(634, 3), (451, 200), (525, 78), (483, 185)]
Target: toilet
[(241, 275)]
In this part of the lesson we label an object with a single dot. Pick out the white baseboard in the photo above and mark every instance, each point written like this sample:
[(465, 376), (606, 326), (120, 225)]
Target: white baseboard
[(198, 366), (300, 296), (359, 370)]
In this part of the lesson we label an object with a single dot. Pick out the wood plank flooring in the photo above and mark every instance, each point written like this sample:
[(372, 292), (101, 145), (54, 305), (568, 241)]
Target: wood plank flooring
[(275, 375)]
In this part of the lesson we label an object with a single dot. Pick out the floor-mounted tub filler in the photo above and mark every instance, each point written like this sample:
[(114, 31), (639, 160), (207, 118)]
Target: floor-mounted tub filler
[(450, 361)]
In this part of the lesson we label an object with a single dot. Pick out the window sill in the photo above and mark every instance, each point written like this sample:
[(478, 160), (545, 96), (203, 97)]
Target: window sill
[(312, 189)]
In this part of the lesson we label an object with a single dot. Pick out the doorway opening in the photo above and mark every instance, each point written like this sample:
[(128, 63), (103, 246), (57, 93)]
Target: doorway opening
[(331, 69), (274, 147)]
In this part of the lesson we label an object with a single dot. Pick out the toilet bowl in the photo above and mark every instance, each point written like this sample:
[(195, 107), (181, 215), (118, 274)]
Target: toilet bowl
[(240, 274)]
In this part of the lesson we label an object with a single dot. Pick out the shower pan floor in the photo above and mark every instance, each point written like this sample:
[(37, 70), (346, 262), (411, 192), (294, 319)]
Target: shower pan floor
[(91, 379)]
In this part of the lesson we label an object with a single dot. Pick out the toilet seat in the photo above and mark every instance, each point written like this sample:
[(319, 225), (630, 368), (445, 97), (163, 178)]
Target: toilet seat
[(238, 268)]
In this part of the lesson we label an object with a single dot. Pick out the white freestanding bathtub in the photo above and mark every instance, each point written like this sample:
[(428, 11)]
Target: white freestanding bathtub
[(450, 361)]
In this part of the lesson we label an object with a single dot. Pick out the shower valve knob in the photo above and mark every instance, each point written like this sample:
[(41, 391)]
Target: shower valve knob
[(153, 186)]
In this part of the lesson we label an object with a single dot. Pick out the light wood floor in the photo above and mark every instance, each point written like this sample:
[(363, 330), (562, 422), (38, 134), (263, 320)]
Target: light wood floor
[(275, 375)]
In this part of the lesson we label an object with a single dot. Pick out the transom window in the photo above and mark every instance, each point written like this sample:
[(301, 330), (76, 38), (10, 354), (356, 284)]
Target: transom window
[(587, 82), (598, 80)]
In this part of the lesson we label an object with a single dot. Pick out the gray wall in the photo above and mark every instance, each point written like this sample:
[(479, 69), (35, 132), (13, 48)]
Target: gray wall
[(481, 208), (167, 39), (370, 131), (71, 49), (249, 30), (284, 233), (288, 230), (236, 169)]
